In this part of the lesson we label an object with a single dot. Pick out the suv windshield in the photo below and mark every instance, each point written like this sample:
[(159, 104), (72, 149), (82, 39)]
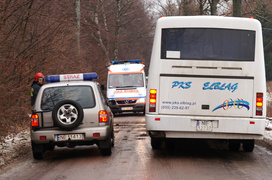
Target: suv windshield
[(81, 94)]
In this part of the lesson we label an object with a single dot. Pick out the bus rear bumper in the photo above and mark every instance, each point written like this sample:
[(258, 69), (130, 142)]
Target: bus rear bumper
[(167, 126)]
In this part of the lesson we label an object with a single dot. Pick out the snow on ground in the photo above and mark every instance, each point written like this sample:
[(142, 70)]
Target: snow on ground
[(19, 144), (268, 131), (14, 146)]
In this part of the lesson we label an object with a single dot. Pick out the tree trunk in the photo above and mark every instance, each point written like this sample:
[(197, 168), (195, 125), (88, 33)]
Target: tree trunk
[(201, 6), (77, 11), (214, 7), (237, 8), (117, 29)]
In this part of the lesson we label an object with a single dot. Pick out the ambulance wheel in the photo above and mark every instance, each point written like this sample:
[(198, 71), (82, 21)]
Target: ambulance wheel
[(67, 114), (248, 146)]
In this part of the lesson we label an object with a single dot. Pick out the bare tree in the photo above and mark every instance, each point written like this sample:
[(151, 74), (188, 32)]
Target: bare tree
[(202, 9), (237, 8), (117, 28), (96, 17), (213, 5), (77, 12), (47, 35)]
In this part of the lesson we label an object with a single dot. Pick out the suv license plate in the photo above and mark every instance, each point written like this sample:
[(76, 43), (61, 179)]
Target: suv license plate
[(65, 137), (204, 125)]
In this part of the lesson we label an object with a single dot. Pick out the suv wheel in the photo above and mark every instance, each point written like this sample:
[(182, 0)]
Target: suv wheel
[(37, 150), (112, 139), (106, 152), (105, 146), (67, 114)]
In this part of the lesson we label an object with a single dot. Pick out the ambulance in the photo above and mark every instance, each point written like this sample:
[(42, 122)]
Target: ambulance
[(126, 86)]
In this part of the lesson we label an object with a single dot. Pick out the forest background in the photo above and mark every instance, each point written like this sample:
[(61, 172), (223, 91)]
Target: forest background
[(79, 36)]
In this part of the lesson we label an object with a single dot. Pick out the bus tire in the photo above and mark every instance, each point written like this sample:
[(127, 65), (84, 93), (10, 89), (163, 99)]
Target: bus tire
[(234, 145), (156, 143), (248, 146), (170, 144)]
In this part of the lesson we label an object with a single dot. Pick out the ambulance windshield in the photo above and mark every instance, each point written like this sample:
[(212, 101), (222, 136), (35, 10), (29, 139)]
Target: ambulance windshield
[(126, 80)]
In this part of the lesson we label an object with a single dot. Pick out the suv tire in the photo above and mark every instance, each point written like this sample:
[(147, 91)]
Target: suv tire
[(37, 150), (105, 146), (67, 114)]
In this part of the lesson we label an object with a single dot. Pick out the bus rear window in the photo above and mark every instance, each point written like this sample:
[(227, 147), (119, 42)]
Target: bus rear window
[(208, 44)]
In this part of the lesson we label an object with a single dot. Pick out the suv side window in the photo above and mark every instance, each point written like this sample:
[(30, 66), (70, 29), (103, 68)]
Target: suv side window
[(82, 94)]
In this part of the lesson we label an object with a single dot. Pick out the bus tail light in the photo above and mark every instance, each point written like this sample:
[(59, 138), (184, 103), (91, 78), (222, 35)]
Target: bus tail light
[(259, 104), (35, 120), (152, 100), (103, 117)]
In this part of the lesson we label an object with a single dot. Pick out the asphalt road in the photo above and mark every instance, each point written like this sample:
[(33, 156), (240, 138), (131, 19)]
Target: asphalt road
[(133, 158)]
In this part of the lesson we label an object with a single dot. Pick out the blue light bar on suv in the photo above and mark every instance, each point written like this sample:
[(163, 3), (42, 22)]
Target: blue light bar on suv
[(127, 61), (71, 77)]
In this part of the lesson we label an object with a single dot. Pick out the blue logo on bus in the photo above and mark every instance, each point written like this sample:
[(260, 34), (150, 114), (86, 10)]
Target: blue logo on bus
[(229, 103), (220, 86), (181, 84)]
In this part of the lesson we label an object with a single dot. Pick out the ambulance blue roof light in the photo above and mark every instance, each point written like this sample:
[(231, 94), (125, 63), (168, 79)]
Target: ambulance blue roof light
[(126, 61), (71, 77)]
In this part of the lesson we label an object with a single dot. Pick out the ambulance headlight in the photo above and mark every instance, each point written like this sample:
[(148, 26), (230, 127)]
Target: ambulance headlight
[(141, 100)]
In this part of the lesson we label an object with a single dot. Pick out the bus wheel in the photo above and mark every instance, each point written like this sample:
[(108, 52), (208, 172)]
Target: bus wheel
[(170, 144), (234, 145), (156, 143), (248, 146)]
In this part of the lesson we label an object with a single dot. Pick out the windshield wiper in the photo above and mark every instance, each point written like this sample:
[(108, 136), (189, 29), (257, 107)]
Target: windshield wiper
[(126, 87)]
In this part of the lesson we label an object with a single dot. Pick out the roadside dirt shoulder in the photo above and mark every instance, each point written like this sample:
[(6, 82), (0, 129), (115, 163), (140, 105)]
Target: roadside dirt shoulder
[(14, 146)]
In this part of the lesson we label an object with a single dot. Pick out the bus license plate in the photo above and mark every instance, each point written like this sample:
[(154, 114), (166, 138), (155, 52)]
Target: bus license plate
[(204, 125), (65, 137)]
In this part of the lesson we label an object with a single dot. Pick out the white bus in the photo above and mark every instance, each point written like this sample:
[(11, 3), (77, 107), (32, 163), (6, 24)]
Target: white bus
[(207, 81)]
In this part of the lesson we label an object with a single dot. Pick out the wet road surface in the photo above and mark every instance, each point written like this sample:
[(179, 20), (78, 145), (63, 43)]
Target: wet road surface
[(133, 158)]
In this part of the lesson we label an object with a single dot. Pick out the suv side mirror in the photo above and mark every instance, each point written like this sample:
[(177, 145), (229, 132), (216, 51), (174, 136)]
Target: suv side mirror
[(102, 87)]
